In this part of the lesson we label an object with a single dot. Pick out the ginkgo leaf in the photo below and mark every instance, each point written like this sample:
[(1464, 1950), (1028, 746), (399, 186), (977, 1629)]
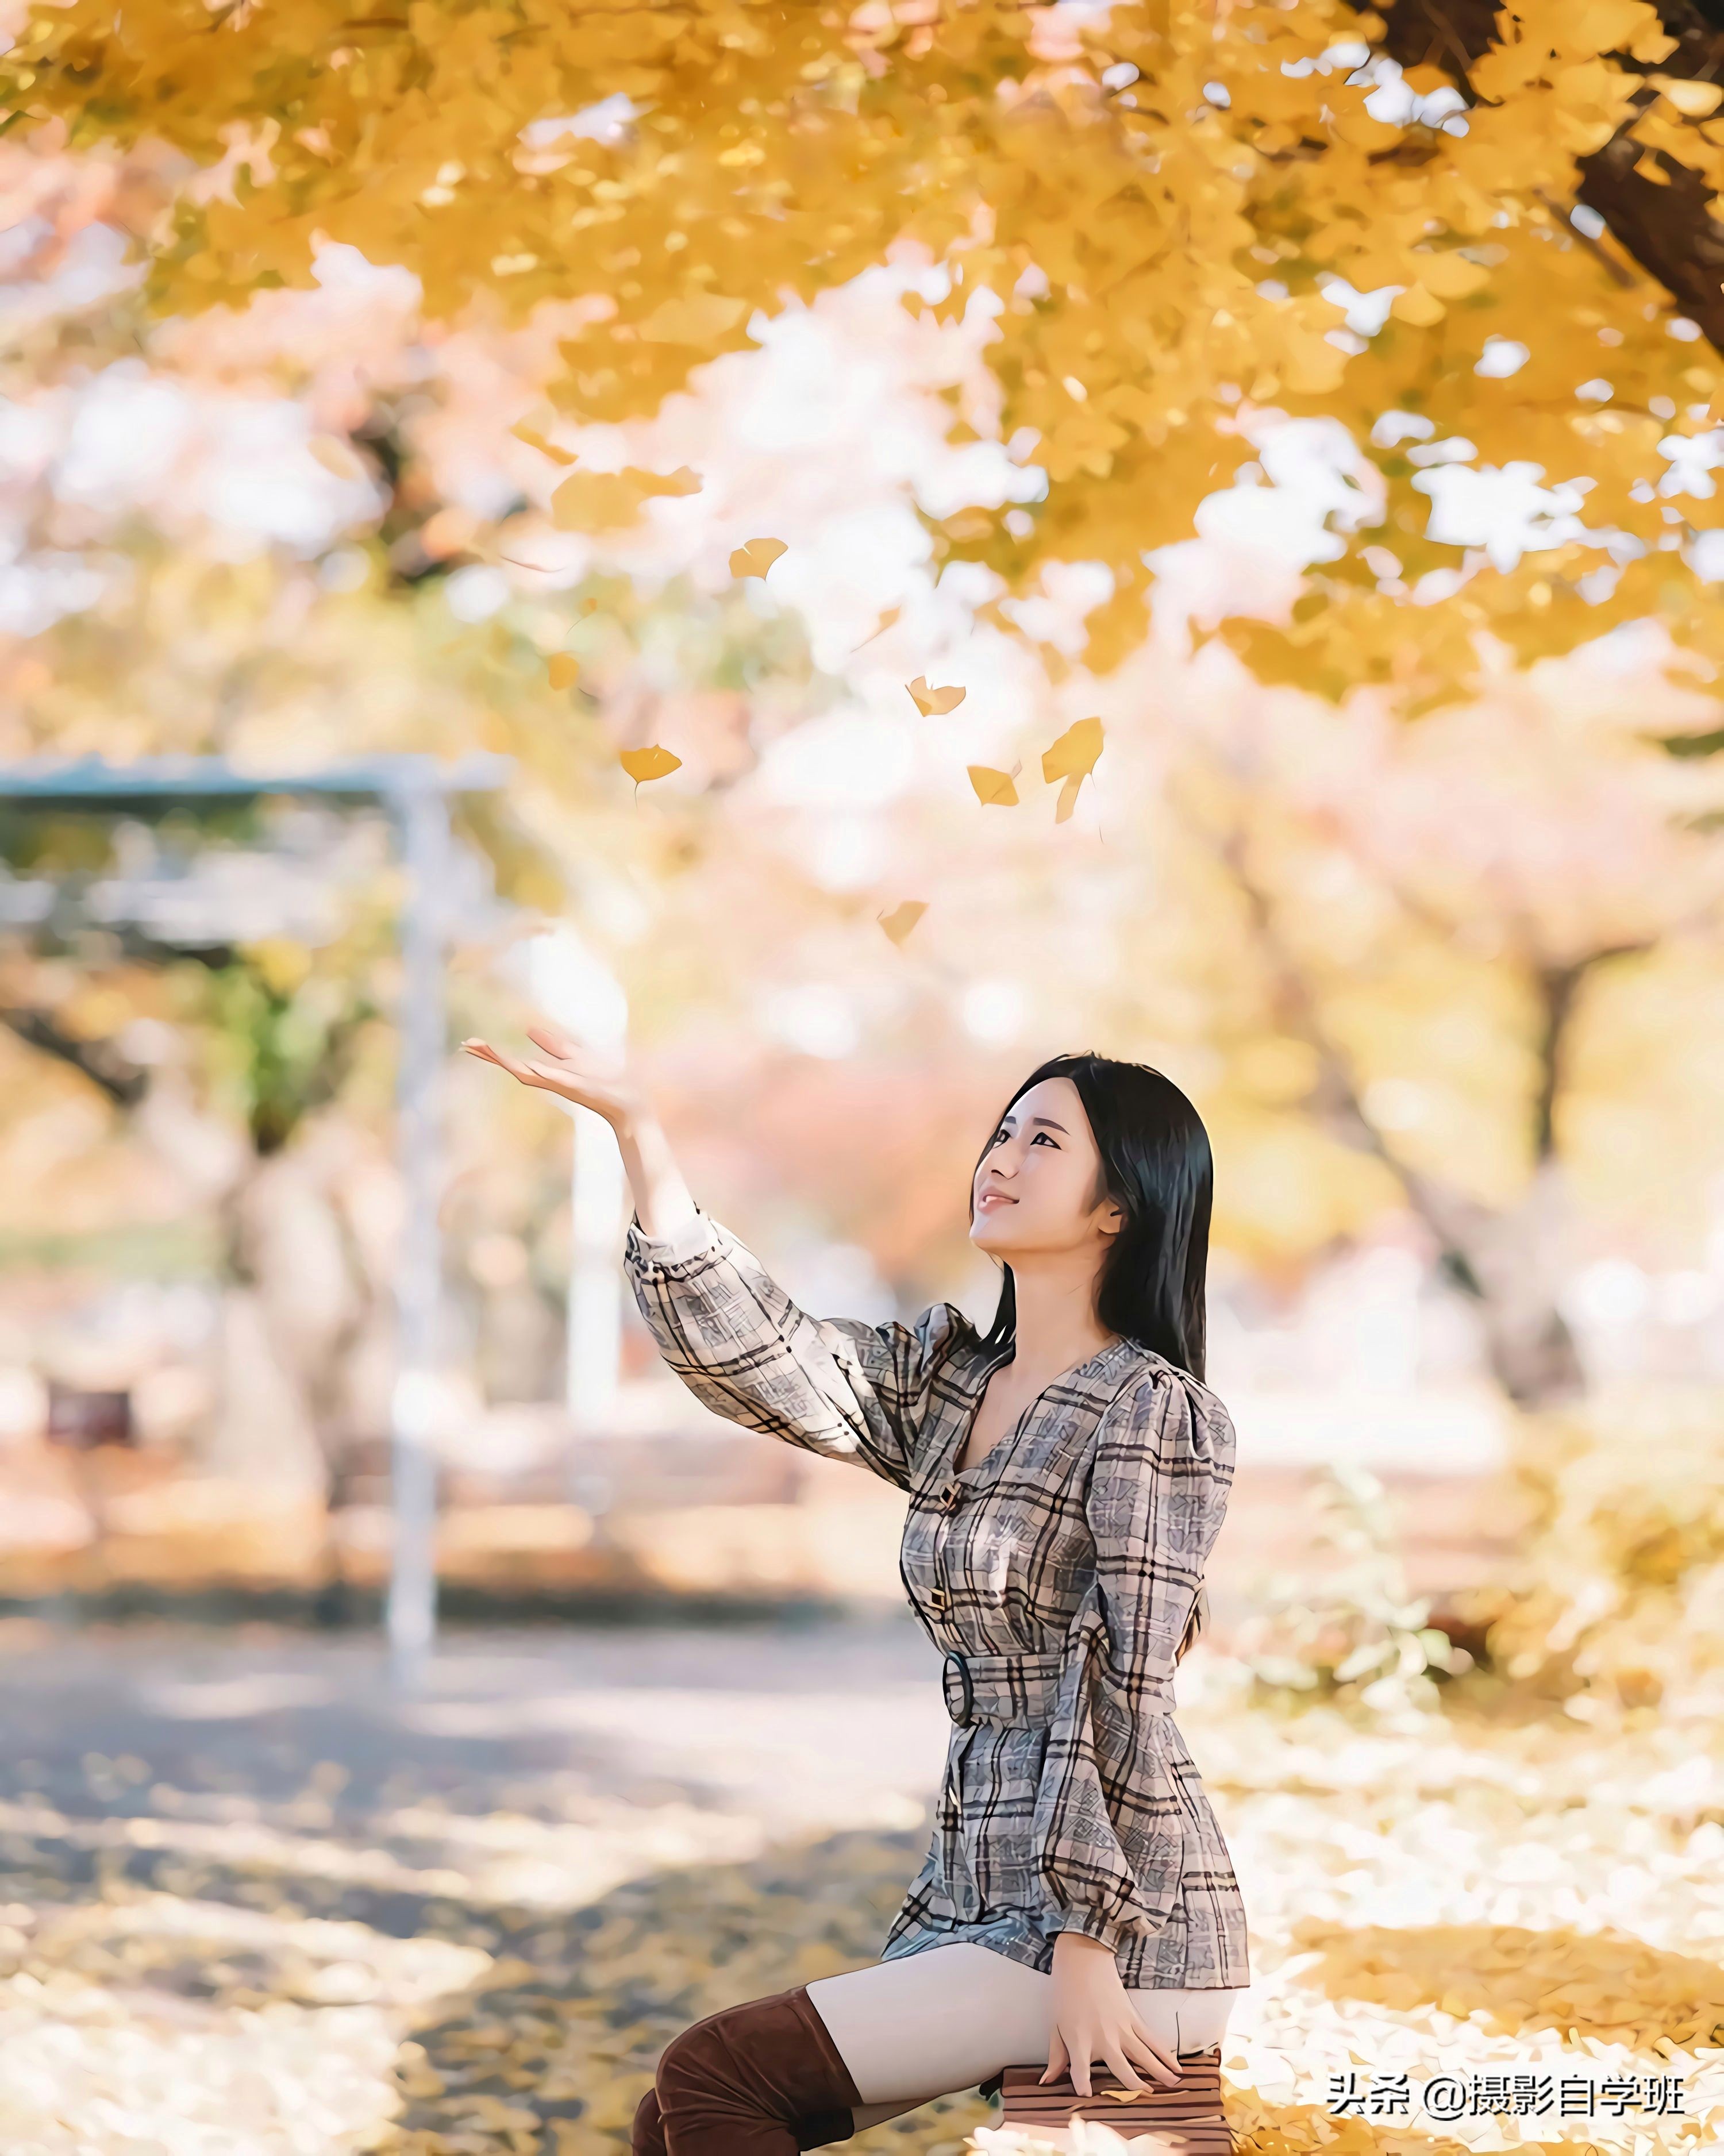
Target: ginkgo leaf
[(1451, 276), (564, 668), (757, 557), (993, 789), (599, 501), (1068, 797), (902, 918), (697, 319), (535, 440), (642, 764), (336, 457), (1694, 101), (933, 703), (886, 621), (1073, 754), (1418, 305)]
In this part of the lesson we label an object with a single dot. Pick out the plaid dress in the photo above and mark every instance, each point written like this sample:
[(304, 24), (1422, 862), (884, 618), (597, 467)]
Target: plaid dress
[(1056, 1574)]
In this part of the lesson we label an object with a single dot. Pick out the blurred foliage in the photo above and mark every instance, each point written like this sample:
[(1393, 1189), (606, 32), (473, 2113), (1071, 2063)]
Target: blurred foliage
[(1356, 1634), (1167, 216), (1619, 1598), (286, 1036)]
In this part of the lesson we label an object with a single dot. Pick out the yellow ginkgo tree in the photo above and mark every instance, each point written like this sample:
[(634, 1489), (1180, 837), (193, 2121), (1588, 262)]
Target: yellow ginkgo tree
[(1184, 220)]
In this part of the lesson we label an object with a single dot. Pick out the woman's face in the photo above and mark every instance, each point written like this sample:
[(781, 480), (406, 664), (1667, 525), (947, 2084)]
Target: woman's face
[(1034, 1184)]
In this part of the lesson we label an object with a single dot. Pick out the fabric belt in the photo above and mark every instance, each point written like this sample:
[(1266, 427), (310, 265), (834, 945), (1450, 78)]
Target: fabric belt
[(1015, 1691), (1008, 1691)]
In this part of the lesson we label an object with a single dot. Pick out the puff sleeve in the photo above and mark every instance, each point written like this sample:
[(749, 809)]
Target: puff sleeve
[(835, 1386), (1108, 1827)]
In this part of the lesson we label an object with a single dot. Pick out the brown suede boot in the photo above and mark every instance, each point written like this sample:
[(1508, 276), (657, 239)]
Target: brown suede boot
[(761, 2079), (816, 2132)]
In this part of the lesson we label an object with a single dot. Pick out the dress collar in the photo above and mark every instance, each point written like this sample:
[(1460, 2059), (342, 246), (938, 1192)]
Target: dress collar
[(1100, 1365)]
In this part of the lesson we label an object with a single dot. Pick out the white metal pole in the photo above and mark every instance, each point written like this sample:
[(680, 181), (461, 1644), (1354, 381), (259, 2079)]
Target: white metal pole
[(412, 1616)]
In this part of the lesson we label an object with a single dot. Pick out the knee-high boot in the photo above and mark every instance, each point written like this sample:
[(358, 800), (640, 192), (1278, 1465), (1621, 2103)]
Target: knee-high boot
[(761, 2079), (816, 2132)]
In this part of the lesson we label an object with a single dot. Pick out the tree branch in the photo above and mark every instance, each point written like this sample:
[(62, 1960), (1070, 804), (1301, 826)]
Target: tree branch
[(1559, 992), (123, 1082), (1669, 230), (1338, 1095)]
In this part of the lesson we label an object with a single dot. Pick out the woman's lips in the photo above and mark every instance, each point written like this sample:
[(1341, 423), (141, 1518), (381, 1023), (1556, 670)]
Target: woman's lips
[(990, 1198)]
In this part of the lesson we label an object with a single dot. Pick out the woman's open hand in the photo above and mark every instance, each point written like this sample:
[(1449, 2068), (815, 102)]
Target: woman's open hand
[(592, 1078), (1093, 2018)]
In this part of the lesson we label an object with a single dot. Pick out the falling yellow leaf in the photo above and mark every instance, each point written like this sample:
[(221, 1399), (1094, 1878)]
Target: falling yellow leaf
[(1072, 757), (902, 918), (886, 622), (564, 669), (642, 764), (933, 703), (535, 440), (993, 789), (1074, 754), (757, 557), (336, 457), (599, 501), (698, 319)]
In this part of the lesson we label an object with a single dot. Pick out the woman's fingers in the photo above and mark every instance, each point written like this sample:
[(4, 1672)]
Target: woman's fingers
[(1147, 2050), (567, 1075), (1114, 2052), (554, 1040), (1124, 2051), (487, 1054)]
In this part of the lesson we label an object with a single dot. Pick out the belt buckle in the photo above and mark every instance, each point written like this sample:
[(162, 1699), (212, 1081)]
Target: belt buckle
[(969, 1689)]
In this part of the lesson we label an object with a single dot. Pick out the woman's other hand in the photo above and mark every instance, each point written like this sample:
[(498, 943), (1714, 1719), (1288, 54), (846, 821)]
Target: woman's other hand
[(1093, 2018), (592, 1078)]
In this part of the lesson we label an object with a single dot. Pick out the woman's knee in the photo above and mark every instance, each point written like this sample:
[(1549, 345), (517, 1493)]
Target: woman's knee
[(767, 2063), (647, 2138)]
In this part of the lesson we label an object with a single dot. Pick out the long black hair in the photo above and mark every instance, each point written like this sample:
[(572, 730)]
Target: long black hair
[(1157, 1167)]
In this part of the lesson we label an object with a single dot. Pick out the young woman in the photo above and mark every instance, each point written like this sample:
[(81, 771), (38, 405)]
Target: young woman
[(1067, 1473)]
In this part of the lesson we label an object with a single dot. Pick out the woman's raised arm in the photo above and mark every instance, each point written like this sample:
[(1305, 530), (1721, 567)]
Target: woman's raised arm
[(836, 1386)]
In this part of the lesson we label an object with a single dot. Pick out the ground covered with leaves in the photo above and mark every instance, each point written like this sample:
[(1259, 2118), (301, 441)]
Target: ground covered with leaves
[(252, 1906)]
